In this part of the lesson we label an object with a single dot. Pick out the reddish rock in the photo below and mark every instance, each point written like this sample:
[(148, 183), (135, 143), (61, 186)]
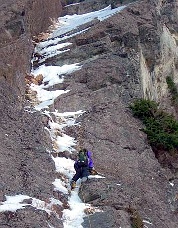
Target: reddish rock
[(57, 210)]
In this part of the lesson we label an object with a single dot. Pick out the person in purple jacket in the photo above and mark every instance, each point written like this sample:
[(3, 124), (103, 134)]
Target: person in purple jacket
[(83, 166)]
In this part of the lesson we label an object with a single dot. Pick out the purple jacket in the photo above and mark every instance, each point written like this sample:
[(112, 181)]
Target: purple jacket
[(90, 161)]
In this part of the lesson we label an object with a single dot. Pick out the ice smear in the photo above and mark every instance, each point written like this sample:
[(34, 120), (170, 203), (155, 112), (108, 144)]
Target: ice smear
[(73, 218), (60, 186), (13, 203), (53, 75), (70, 22)]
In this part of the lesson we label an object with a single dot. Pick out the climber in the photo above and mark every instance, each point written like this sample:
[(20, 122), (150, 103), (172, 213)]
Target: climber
[(83, 167)]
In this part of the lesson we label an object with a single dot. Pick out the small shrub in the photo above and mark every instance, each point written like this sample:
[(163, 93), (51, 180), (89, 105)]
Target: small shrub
[(144, 108), (160, 127)]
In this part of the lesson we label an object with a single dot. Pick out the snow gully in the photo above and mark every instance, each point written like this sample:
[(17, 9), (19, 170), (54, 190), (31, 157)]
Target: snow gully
[(52, 75)]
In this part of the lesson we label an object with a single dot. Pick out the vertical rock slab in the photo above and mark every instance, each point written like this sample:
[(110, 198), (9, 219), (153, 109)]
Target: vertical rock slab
[(20, 20)]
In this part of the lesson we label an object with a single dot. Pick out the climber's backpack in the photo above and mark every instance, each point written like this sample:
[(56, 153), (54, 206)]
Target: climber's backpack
[(82, 158)]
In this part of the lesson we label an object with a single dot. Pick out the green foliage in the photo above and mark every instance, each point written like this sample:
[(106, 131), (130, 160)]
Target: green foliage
[(173, 90), (160, 127), (144, 108)]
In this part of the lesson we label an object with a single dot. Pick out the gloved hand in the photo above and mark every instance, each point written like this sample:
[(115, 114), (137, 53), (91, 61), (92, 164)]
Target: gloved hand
[(92, 171)]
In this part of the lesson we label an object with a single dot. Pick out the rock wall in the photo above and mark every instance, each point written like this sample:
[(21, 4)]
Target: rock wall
[(25, 166), (85, 6), (159, 58), (20, 20)]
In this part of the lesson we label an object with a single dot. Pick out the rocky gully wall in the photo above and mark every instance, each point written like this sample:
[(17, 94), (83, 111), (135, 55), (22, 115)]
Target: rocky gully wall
[(20, 20)]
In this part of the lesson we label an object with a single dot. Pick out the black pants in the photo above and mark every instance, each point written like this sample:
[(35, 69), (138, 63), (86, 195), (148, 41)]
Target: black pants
[(80, 172)]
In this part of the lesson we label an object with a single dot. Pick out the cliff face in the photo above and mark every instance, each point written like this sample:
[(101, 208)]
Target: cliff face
[(159, 51), (23, 148), (20, 20)]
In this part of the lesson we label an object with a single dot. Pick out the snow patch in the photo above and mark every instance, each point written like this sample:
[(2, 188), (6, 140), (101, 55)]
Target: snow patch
[(70, 22), (13, 203), (46, 97), (60, 186), (70, 114), (64, 166), (65, 142), (58, 39), (148, 222), (53, 48), (73, 217), (54, 74), (96, 176), (171, 183), (42, 205)]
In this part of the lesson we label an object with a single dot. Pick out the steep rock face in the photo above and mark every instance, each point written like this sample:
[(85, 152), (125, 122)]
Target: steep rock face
[(150, 42), (135, 185), (20, 19), (25, 165)]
